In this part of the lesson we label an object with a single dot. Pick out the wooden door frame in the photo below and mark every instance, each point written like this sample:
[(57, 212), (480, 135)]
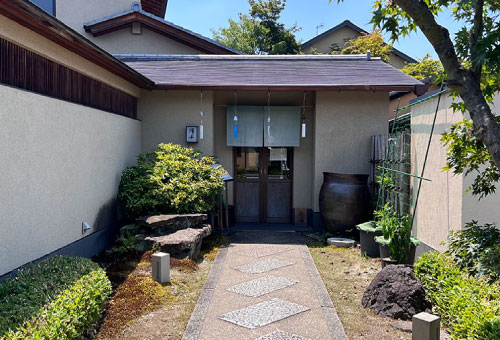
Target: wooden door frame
[(263, 186)]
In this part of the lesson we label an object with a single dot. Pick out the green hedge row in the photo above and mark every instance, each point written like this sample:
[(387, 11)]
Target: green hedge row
[(468, 305), (58, 298)]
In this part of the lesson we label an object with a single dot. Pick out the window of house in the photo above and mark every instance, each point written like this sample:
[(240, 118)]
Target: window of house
[(48, 6)]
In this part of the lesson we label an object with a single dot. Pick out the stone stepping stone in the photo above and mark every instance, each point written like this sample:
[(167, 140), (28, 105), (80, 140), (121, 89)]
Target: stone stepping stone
[(280, 335), (262, 286), (264, 266), (263, 251), (263, 313)]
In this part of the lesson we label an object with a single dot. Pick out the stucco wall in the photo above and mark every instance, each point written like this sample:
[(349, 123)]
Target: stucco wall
[(31, 40), (344, 124), (165, 115), (75, 13), (148, 42), (339, 37), (61, 165), (444, 204), (439, 207)]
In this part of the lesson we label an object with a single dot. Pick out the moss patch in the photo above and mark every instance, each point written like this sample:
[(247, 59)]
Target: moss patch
[(346, 275)]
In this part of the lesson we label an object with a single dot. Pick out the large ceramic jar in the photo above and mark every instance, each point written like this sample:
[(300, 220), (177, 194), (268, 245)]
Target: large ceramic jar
[(344, 201)]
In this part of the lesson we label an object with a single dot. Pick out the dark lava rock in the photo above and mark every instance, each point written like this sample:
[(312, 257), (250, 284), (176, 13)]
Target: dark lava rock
[(396, 292)]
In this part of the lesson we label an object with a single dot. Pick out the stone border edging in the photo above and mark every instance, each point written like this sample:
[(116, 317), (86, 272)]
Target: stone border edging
[(332, 319), (200, 311)]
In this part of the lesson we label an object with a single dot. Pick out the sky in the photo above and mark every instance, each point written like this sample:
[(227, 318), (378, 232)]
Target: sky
[(201, 16)]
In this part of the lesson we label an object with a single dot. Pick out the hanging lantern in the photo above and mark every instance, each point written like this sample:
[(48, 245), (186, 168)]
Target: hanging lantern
[(201, 114), (303, 117), (269, 114), (235, 118)]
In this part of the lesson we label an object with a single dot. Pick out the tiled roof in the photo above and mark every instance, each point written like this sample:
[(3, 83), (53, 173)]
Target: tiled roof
[(347, 23), (262, 72), (137, 13)]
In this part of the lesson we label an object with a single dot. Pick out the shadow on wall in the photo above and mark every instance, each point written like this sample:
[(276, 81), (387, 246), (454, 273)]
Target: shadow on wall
[(107, 216)]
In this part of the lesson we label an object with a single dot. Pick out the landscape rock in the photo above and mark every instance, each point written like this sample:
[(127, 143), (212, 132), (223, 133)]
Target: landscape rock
[(396, 293), (142, 243), (183, 243), (172, 222)]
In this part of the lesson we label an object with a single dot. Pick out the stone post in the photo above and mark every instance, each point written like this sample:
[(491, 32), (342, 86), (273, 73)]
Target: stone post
[(426, 326), (161, 267)]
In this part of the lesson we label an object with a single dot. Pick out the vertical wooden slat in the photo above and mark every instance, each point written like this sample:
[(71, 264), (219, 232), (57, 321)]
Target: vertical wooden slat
[(27, 70)]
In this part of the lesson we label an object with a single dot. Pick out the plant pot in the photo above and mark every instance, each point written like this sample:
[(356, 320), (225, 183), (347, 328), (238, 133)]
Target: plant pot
[(369, 246), (343, 201), (385, 253)]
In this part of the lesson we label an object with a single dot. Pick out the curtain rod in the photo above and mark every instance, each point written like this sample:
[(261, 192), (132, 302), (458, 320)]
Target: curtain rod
[(305, 107)]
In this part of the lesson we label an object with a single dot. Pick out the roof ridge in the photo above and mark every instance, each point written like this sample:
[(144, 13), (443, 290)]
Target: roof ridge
[(289, 57)]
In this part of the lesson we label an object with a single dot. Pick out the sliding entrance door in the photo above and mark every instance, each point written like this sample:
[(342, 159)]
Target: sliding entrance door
[(263, 184)]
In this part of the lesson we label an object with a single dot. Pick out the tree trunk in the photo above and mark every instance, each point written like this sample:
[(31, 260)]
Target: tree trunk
[(463, 81)]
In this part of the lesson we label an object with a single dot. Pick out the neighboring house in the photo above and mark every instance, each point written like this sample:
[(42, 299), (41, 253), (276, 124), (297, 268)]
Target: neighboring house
[(336, 38), (444, 203), (74, 116)]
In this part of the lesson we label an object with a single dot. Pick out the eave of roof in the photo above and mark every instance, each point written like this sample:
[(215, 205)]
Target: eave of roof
[(278, 72), (156, 7), (32, 17), (348, 23), (137, 14)]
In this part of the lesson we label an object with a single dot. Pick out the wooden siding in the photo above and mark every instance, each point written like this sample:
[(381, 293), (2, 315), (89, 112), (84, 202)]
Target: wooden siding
[(27, 70)]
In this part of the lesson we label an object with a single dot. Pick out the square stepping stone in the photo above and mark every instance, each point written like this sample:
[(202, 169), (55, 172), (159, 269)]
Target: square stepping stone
[(280, 335), (264, 266), (263, 251), (262, 286), (263, 313)]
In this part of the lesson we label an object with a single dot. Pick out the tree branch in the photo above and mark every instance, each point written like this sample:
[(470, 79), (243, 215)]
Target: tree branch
[(476, 34), (461, 80)]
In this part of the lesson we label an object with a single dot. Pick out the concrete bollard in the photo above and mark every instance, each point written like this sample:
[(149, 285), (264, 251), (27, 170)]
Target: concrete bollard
[(426, 326), (161, 267)]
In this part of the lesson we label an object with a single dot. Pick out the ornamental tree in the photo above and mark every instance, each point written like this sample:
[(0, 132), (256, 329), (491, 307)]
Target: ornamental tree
[(373, 42), (260, 32), (471, 62), (425, 68)]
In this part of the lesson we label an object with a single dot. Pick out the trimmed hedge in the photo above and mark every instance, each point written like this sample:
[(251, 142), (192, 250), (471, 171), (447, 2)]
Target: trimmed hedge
[(58, 298), (469, 306)]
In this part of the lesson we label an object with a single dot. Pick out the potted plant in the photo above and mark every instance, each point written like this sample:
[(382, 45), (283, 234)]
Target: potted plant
[(396, 244), (367, 233)]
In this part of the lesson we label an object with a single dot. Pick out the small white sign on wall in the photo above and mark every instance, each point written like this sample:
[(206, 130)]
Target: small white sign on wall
[(192, 134)]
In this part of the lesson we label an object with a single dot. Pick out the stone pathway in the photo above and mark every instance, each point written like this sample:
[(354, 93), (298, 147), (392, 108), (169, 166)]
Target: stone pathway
[(264, 286)]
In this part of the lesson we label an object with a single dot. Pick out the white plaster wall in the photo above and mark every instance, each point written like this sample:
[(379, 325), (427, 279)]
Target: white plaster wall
[(75, 13), (33, 41), (148, 42), (165, 115), (444, 203), (344, 124), (60, 164), (439, 207)]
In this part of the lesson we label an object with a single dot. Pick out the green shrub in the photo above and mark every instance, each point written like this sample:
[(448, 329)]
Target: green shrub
[(470, 306), (172, 179), (58, 298), (477, 249)]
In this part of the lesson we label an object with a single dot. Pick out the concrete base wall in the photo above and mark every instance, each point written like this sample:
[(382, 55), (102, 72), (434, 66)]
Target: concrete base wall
[(61, 165)]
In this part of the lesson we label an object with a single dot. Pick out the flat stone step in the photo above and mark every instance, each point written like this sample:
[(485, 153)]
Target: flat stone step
[(183, 243), (172, 221)]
